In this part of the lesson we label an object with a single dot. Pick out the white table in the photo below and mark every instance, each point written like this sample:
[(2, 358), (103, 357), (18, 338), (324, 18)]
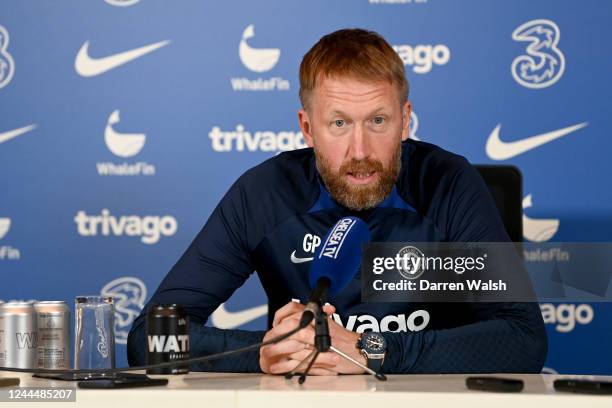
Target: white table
[(217, 390)]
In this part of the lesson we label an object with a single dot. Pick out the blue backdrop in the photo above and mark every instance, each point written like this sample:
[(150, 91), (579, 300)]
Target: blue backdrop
[(123, 122)]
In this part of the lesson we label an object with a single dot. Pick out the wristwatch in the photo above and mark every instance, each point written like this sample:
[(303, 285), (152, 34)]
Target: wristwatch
[(374, 347)]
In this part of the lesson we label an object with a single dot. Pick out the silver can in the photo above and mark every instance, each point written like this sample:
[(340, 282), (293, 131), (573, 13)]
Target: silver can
[(53, 334), (18, 335)]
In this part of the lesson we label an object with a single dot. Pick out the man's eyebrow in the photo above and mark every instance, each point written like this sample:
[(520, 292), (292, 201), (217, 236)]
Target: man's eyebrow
[(338, 112), (378, 110)]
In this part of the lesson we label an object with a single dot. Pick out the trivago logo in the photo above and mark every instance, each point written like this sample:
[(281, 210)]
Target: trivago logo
[(422, 58), (261, 140), (414, 322), (150, 228), (565, 315)]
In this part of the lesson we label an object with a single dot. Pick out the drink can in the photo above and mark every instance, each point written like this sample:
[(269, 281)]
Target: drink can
[(167, 338), (18, 335), (53, 334)]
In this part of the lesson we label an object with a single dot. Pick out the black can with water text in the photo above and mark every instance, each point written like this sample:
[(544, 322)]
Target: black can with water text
[(167, 338)]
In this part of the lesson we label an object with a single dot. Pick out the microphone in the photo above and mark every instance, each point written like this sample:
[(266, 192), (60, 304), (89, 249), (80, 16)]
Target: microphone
[(335, 263)]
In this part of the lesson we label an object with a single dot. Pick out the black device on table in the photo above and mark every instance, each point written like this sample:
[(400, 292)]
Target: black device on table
[(115, 380), (494, 384), (583, 386), (123, 381)]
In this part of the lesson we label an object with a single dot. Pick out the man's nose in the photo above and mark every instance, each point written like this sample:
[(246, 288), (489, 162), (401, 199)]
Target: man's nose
[(359, 147)]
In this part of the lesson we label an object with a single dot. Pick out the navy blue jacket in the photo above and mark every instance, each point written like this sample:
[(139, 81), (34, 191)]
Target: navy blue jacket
[(261, 223)]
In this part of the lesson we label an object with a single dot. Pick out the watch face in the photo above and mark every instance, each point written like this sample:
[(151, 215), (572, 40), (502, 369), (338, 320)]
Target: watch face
[(374, 343)]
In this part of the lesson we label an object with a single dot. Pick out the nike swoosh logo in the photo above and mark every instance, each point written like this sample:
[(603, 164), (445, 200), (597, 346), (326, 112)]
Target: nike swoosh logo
[(500, 150), (297, 260), (88, 67), (224, 319), (6, 136)]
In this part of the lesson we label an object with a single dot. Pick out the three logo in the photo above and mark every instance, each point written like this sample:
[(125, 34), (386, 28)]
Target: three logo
[(7, 65), (414, 126), (543, 64)]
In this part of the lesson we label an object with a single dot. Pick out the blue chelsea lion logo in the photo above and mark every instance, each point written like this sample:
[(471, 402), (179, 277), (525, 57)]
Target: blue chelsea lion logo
[(543, 64), (7, 66)]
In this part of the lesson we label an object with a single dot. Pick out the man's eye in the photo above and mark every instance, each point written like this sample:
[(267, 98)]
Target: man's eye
[(339, 122), (379, 120)]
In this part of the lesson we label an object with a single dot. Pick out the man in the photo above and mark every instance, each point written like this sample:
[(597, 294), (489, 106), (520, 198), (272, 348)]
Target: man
[(355, 117)]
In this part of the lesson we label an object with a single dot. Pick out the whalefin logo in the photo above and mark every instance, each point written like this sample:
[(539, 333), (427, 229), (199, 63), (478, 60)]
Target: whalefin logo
[(87, 66), (499, 150), (538, 229), (224, 319), (11, 134), (129, 295), (5, 226), (7, 65), (7, 251), (257, 59), (122, 144), (544, 63)]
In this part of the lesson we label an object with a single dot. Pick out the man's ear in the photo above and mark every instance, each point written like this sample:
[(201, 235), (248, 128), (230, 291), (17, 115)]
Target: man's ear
[(406, 110), (305, 126)]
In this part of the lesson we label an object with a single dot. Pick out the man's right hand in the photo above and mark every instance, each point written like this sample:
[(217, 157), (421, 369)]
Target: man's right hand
[(283, 357)]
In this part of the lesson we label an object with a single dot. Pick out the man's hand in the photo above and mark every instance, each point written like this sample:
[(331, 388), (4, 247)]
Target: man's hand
[(285, 356)]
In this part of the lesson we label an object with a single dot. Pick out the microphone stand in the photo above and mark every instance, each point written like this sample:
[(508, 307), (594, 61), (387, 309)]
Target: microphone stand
[(323, 344)]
